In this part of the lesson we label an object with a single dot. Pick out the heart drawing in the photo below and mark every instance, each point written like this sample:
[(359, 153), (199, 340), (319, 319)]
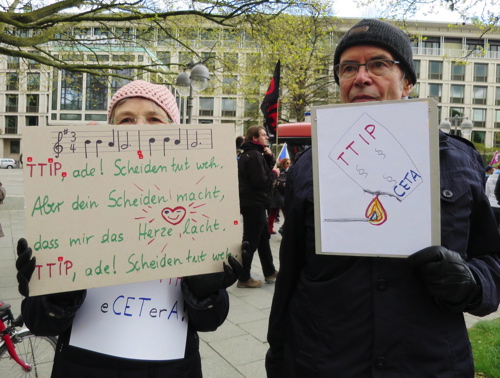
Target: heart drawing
[(173, 216)]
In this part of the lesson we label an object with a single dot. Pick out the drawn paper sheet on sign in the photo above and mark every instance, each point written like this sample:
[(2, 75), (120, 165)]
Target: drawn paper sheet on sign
[(118, 314), (108, 205), (377, 178)]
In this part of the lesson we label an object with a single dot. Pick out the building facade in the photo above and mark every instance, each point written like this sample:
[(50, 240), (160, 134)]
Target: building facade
[(454, 63)]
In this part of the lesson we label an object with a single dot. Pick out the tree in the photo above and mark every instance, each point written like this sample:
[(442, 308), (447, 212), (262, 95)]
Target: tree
[(57, 35), (484, 13), (304, 44)]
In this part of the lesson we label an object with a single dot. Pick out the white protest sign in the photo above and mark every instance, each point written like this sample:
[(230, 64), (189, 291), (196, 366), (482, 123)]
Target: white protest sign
[(109, 320), (108, 205), (377, 178)]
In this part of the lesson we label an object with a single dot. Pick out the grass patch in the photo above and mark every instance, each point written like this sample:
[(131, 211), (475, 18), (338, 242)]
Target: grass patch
[(485, 340)]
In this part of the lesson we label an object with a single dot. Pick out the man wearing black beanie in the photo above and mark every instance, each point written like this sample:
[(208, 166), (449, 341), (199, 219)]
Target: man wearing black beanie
[(348, 316)]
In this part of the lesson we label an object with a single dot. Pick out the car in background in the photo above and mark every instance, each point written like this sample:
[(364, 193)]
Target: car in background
[(297, 137), (8, 163)]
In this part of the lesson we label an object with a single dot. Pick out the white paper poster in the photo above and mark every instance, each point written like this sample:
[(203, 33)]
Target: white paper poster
[(145, 321), (376, 179)]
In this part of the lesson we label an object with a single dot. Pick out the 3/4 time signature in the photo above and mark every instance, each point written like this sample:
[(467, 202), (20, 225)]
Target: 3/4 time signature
[(93, 143)]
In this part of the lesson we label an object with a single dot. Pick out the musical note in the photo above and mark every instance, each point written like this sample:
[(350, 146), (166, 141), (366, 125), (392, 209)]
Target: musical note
[(97, 147), (195, 143), (85, 145), (125, 145), (139, 138), (112, 144), (151, 141), (165, 141), (178, 141), (58, 148)]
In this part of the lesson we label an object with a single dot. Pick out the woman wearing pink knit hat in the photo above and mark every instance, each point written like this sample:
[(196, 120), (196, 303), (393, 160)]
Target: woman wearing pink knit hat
[(206, 301)]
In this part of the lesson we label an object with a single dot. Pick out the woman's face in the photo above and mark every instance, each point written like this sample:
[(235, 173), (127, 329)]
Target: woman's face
[(139, 111)]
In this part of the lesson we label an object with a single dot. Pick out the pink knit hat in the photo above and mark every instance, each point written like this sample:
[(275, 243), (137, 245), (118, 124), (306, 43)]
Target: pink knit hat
[(159, 94)]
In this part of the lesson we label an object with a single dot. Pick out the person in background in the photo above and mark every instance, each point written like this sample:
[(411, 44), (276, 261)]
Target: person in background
[(205, 297), (350, 316), (491, 183), (489, 170), (278, 199), (256, 176)]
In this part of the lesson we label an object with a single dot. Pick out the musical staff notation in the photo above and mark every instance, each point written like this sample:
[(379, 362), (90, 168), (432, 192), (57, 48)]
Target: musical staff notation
[(151, 142)]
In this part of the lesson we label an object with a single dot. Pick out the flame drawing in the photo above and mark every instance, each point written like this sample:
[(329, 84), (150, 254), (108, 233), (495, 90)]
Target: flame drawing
[(375, 212)]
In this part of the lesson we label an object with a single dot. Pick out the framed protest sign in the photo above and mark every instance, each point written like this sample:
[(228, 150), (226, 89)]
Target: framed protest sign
[(376, 178), (108, 205)]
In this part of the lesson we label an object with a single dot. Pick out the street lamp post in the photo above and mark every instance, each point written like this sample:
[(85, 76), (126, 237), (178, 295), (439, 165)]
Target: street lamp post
[(196, 80), (465, 126)]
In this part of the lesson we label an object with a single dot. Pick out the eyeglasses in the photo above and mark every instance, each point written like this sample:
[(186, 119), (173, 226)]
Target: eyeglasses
[(376, 67), (150, 120)]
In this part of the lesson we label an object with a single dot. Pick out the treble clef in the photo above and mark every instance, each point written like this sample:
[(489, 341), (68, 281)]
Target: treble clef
[(58, 148)]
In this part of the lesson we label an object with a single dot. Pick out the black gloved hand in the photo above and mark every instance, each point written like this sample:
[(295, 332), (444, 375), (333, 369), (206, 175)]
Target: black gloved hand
[(25, 266), (446, 276), (204, 285)]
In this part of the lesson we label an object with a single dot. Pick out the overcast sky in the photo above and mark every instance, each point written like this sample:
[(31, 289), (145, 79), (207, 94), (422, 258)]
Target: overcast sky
[(348, 8)]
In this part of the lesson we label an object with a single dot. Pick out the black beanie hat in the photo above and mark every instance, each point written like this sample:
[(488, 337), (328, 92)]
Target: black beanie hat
[(380, 33)]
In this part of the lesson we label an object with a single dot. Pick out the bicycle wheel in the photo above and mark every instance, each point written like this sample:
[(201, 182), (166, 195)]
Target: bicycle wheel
[(38, 351)]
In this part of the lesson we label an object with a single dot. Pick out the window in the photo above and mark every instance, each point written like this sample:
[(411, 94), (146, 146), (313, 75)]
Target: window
[(457, 72), (10, 124), (96, 117), (498, 73), (71, 90), (165, 57), (496, 139), (206, 106), (229, 107), (229, 84), (252, 59), (101, 58), (208, 59), (251, 108), (31, 121), (415, 91), (497, 120), (12, 100), (479, 95), (457, 94), (117, 82), (480, 72), (33, 81), (416, 65), (435, 91), (456, 112), (13, 63), (32, 103), (70, 117), (478, 137), (15, 146), (497, 96), (479, 117), (184, 58), (230, 61), (12, 81), (435, 70), (97, 93), (431, 46)]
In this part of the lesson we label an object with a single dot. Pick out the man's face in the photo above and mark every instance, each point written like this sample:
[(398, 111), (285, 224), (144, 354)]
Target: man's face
[(263, 138), (367, 87)]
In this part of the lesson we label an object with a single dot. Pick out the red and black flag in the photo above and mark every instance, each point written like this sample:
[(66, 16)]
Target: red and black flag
[(271, 102)]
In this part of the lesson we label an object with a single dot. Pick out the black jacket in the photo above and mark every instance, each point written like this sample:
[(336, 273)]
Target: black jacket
[(53, 315), (344, 316), (255, 176)]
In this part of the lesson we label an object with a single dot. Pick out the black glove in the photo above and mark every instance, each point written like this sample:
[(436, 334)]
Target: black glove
[(204, 285), (446, 276), (25, 266)]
